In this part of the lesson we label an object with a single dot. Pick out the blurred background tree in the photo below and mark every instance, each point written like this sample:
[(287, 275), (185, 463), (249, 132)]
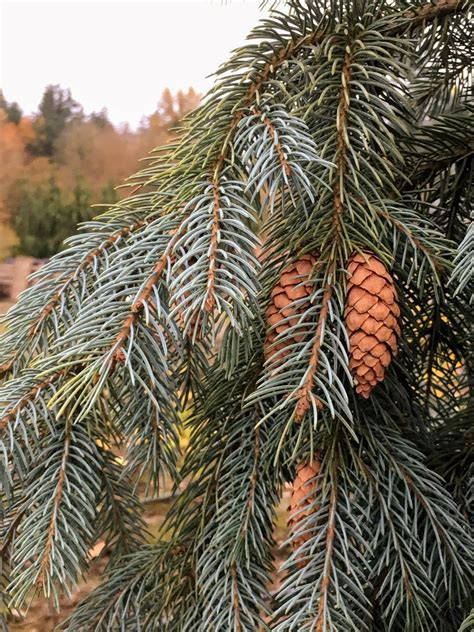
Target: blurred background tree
[(46, 214), (60, 161), (56, 110), (12, 110)]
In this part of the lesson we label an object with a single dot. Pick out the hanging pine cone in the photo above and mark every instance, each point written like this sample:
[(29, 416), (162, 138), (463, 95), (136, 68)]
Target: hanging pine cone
[(371, 316), (302, 495), (281, 314)]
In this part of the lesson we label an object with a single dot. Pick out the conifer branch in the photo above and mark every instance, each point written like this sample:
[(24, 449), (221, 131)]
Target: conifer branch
[(433, 10), (45, 559), (235, 599), (314, 137), (59, 495), (341, 144), (462, 275), (285, 165), (253, 484), (28, 398), (321, 619), (279, 57), (85, 263), (292, 49), (142, 297), (304, 395), (435, 259), (211, 283)]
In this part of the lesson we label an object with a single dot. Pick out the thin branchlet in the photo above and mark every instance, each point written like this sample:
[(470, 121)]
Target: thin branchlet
[(341, 144), (433, 10), (273, 135), (321, 620), (431, 255), (85, 263), (214, 241), (143, 296), (304, 393), (45, 560), (235, 600), (29, 397)]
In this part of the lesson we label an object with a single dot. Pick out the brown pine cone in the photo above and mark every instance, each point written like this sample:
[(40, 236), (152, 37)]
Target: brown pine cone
[(302, 495), (281, 314), (371, 316)]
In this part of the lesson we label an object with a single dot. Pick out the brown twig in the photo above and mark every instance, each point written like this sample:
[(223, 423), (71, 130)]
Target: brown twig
[(45, 559), (85, 263), (279, 149), (26, 399), (341, 145), (304, 393), (402, 228), (325, 582), (211, 284), (118, 355), (235, 599), (432, 10)]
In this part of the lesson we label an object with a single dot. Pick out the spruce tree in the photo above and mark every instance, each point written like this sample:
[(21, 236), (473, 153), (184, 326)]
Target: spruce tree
[(290, 280)]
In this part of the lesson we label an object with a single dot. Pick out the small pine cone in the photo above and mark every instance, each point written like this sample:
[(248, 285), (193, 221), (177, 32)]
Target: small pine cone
[(281, 314), (371, 317), (302, 495)]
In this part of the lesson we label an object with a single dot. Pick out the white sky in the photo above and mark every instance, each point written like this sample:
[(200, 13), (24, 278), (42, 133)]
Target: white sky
[(115, 54)]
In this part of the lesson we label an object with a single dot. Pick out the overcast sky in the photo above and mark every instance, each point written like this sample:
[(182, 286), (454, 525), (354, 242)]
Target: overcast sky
[(118, 55)]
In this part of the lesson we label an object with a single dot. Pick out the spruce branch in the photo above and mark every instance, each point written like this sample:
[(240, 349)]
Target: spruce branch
[(62, 490), (322, 615), (438, 529), (11, 411), (279, 153), (305, 393), (115, 603), (142, 297), (407, 224), (285, 165), (87, 261), (119, 515), (49, 304), (326, 583), (216, 238), (322, 139), (315, 342), (429, 11)]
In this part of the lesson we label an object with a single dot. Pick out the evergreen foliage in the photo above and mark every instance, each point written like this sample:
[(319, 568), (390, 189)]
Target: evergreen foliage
[(340, 127), (56, 109), (12, 110)]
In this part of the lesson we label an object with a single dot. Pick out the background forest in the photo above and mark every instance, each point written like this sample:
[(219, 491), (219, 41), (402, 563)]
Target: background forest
[(61, 160)]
